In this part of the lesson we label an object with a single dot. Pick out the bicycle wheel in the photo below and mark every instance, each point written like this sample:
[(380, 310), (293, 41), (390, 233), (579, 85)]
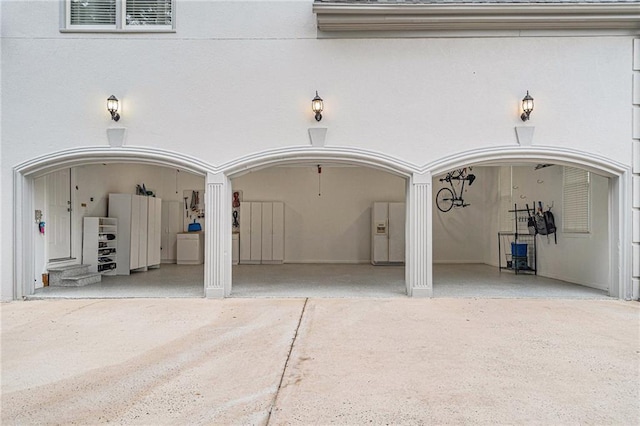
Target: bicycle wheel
[(444, 200)]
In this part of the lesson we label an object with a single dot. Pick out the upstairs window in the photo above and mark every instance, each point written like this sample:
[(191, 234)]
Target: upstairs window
[(576, 203), (119, 15)]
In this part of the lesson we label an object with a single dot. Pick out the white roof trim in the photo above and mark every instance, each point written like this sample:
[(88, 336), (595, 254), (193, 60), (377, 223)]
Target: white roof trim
[(476, 16)]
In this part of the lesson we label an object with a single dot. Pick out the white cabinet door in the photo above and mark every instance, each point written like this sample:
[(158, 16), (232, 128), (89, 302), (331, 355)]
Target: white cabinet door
[(396, 232), (278, 232), (235, 249), (245, 232), (171, 224), (134, 262), (120, 207), (262, 232), (154, 231), (267, 232), (143, 231), (256, 232)]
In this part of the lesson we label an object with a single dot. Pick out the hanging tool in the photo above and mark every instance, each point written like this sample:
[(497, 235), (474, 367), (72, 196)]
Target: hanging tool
[(194, 201), (319, 183), (186, 207)]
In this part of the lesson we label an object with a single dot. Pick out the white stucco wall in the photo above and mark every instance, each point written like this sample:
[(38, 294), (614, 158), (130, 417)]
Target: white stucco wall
[(237, 78)]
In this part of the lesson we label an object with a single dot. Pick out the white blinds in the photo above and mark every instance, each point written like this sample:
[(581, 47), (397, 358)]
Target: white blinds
[(92, 12), (148, 12), (576, 206)]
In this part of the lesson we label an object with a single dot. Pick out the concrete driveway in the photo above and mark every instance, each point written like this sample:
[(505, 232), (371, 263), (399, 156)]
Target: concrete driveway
[(321, 361)]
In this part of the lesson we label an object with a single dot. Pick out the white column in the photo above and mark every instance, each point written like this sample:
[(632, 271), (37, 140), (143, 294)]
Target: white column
[(217, 238), (420, 264), (634, 292)]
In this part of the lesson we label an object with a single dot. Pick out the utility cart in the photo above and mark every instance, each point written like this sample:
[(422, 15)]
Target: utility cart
[(517, 251)]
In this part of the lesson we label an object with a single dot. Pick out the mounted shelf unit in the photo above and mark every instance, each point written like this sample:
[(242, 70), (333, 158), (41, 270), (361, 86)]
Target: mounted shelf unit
[(99, 244), (517, 251)]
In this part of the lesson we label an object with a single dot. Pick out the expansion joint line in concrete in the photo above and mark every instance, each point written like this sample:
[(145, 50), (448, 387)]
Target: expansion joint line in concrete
[(286, 363)]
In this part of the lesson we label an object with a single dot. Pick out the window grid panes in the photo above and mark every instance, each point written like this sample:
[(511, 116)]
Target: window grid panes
[(148, 12), (114, 15), (92, 12), (576, 208)]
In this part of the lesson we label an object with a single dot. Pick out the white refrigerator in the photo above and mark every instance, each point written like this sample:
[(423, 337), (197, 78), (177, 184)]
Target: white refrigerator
[(388, 234)]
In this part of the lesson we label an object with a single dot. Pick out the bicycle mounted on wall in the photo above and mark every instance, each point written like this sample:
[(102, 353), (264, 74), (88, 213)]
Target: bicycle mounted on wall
[(447, 198)]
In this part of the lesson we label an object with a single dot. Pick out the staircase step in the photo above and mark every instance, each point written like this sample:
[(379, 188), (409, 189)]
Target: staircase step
[(59, 273), (68, 268), (80, 280)]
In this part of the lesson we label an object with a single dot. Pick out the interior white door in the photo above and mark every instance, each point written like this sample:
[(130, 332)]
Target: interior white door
[(396, 232), (58, 223)]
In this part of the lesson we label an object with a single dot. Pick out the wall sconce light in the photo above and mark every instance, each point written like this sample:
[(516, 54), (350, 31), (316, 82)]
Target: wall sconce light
[(527, 107), (112, 107), (317, 105)]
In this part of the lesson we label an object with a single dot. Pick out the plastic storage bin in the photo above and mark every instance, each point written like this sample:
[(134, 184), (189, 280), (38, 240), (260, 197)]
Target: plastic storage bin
[(519, 250)]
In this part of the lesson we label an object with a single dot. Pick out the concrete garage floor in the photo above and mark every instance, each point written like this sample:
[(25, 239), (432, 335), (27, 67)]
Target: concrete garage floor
[(320, 361), (326, 280), (169, 280)]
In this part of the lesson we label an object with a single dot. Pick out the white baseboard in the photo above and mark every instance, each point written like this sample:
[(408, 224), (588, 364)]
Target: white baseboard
[(572, 281), (346, 262)]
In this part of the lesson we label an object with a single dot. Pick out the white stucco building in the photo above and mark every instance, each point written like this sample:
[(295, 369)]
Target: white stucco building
[(216, 96)]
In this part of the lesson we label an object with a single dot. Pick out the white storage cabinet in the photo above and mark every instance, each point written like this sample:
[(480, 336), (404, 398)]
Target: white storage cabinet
[(139, 238), (190, 248), (172, 217), (262, 232), (99, 244), (388, 233), (154, 232)]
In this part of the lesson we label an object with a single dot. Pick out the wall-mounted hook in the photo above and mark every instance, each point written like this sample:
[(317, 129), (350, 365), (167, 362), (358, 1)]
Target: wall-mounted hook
[(540, 181), (523, 196), (515, 186)]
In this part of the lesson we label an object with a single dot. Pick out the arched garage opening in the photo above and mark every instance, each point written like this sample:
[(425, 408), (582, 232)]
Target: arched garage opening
[(488, 249), (419, 202), (91, 177), (318, 222)]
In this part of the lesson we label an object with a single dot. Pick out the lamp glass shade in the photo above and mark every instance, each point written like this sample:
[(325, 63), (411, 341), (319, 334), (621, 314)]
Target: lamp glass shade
[(112, 104), (317, 104), (527, 103)]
